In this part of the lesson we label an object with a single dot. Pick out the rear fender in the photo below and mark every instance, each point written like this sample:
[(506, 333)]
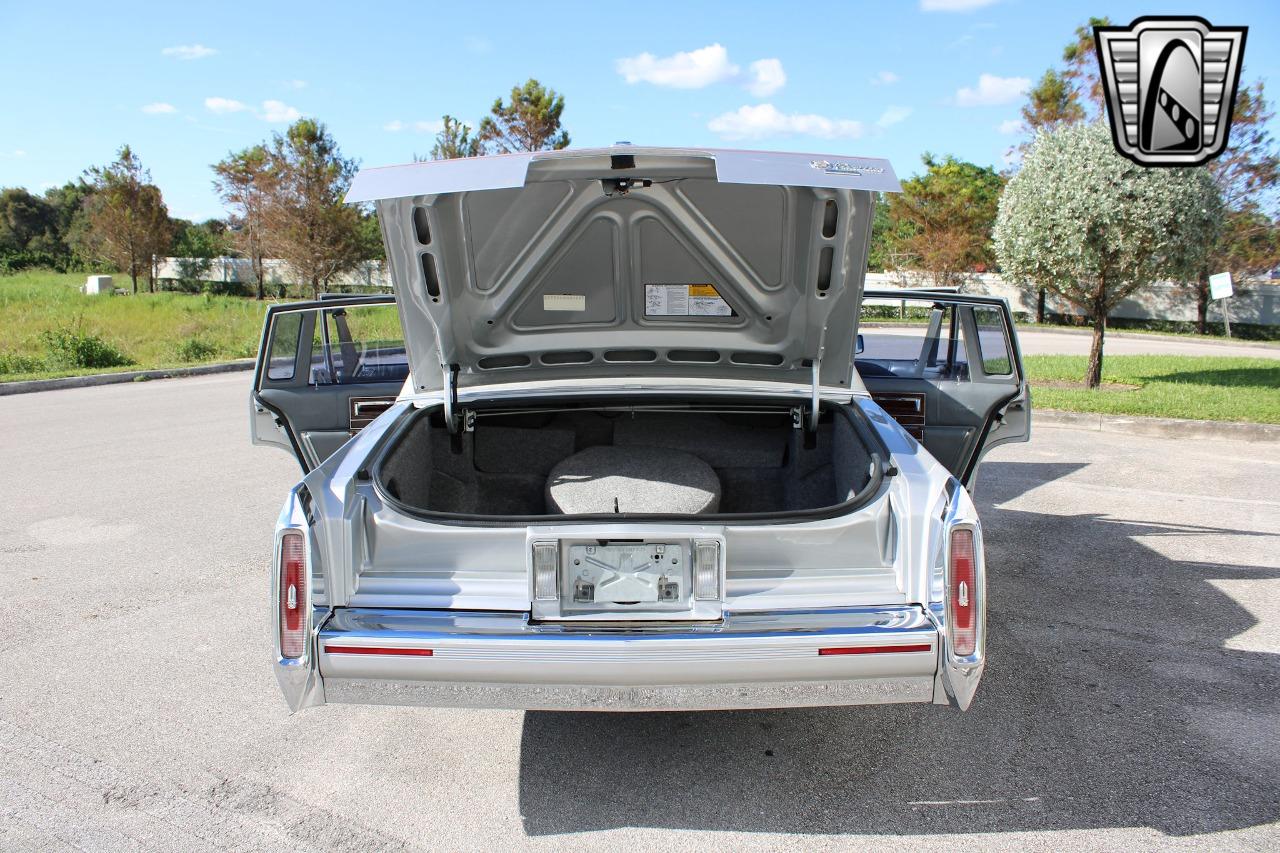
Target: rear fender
[(958, 677), (299, 678)]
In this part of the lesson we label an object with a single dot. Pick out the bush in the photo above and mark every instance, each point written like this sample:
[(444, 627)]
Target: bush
[(223, 288), (12, 362), (16, 260), (194, 349), (70, 347)]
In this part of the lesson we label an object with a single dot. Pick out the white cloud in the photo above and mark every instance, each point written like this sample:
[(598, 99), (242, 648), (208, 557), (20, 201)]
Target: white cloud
[(767, 77), (188, 51), (396, 125), (892, 116), (296, 84), (17, 152), (159, 108), (697, 69), (954, 5), (884, 78), (1010, 126), (992, 90), (224, 105), (684, 70), (278, 111), (764, 120)]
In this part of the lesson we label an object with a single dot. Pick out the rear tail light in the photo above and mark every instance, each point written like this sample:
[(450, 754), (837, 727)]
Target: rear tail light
[(963, 592), (293, 595), (706, 571), (546, 562)]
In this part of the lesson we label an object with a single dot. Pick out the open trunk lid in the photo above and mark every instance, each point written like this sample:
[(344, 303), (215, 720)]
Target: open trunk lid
[(628, 262)]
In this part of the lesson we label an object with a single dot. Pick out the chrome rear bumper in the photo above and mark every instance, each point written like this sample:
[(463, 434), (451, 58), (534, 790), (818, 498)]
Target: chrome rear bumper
[(502, 660)]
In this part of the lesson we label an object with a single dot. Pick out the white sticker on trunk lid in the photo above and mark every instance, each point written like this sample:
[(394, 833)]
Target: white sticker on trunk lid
[(564, 302), (684, 300)]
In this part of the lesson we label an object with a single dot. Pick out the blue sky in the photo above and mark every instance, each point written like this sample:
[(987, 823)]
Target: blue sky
[(186, 83)]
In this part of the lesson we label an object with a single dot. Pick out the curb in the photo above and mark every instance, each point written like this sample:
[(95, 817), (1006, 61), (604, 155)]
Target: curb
[(33, 385), (1159, 427)]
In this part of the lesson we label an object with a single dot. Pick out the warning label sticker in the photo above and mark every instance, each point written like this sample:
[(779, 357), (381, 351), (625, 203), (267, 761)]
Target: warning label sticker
[(684, 300)]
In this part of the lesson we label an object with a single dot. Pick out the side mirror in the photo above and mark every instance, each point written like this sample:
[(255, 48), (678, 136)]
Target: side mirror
[(860, 345)]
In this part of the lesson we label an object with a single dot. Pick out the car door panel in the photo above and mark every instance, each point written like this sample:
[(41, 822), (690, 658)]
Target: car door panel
[(312, 392), (960, 384)]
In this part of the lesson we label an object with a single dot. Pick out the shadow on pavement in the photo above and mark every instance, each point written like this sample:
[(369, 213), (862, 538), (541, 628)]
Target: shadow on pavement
[(1109, 701), (1241, 377)]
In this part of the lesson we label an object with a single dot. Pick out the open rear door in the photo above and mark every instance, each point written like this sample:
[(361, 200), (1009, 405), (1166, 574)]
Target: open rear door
[(325, 370), (948, 368)]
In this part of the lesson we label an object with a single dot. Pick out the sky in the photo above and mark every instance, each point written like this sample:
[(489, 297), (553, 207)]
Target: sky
[(185, 83)]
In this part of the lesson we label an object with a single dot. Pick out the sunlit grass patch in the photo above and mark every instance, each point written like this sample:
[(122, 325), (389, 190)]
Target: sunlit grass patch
[(1197, 387)]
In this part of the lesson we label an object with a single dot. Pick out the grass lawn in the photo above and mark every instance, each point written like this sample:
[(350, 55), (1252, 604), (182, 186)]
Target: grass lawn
[(174, 329), (150, 330), (1197, 387)]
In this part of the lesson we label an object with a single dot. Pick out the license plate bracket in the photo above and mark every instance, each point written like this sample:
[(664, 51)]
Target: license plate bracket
[(626, 576)]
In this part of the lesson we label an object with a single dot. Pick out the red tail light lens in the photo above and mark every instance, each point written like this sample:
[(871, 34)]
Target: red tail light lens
[(962, 599), (293, 595)]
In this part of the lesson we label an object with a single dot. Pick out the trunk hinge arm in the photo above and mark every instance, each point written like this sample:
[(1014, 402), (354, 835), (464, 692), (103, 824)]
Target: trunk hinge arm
[(808, 420), (451, 397), (458, 420), (813, 395)]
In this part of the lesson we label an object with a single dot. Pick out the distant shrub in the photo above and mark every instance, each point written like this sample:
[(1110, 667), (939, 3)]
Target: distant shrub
[(195, 349), (70, 347), (12, 261), (223, 288), (12, 362)]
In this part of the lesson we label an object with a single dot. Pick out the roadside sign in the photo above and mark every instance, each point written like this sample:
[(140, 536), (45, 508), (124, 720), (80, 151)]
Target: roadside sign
[(1220, 285)]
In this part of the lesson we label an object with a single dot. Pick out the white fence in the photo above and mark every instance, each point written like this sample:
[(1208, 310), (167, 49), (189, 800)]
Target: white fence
[(240, 271), (1256, 302)]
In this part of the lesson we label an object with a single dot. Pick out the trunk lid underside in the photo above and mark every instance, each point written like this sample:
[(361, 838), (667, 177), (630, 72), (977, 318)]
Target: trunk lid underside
[(627, 262)]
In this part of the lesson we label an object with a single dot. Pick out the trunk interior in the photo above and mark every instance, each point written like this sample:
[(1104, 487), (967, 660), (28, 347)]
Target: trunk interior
[(640, 460)]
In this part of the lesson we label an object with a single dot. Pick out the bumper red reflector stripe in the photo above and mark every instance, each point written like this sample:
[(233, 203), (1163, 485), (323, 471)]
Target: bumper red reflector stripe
[(876, 650), (376, 650)]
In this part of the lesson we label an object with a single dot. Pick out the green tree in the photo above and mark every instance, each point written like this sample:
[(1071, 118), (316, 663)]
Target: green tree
[(67, 202), (1070, 94), (125, 221), (455, 140), (27, 222), (1095, 228), (28, 231), (530, 122), (1080, 58), (306, 222), (1051, 103), (196, 245), (243, 181), (942, 219), (371, 247), (1247, 243)]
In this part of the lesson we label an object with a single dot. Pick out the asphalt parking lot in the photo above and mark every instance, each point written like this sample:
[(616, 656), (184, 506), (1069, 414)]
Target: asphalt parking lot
[(1132, 698)]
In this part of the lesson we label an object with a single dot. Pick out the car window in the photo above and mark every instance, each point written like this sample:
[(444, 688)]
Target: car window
[(359, 344), (993, 341), (911, 339), (285, 331)]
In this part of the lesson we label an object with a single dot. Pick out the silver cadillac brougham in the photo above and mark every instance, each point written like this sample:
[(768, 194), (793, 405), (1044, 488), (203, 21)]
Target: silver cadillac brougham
[(623, 456)]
